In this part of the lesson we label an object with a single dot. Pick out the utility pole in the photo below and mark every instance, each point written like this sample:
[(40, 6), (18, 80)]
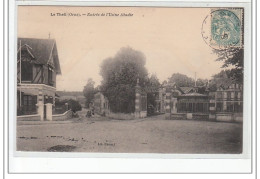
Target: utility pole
[(195, 80)]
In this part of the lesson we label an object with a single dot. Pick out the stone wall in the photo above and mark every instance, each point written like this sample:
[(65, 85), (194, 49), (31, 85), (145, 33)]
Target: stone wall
[(140, 114), (61, 117), (177, 116), (121, 116), (201, 117), (229, 117), (35, 117), (238, 117), (188, 116)]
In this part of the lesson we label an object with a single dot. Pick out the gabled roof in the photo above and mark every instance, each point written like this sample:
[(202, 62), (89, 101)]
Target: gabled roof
[(174, 86), (225, 83), (186, 89), (42, 50)]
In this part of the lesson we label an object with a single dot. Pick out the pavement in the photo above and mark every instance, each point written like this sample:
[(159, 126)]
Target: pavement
[(148, 135)]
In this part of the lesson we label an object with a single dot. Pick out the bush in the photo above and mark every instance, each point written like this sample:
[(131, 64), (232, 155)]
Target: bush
[(72, 104)]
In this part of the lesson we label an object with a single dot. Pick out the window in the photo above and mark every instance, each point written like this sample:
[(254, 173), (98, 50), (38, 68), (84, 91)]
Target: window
[(219, 94), (50, 76), (236, 94), (219, 107), (181, 107), (228, 95), (29, 104), (27, 71), (229, 107), (236, 107)]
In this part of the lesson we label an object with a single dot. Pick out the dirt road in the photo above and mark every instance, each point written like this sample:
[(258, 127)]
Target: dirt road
[(149, 135)]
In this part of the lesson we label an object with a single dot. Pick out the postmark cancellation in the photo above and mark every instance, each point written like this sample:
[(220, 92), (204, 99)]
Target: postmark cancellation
[(223, 28)]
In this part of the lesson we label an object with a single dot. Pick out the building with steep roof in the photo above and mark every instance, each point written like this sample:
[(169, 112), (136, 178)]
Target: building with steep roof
[(183, 99), (201, 102), (37, 67), (228, 98)]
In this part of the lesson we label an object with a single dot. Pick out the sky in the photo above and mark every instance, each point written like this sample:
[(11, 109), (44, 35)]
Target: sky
[(170, 39)]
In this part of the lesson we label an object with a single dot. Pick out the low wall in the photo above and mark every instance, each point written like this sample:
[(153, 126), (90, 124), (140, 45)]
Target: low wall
[(188, 116), (141, 114), (121, 116), (229, 117), (226, 117), (200, 117), (35, 117), (176, 116), (61, 117), (238, 117)]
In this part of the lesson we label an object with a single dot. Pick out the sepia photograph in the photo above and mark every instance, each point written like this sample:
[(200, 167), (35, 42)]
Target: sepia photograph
[(167, 80)]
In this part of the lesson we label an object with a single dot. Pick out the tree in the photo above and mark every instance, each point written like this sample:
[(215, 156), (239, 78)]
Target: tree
[(224, 76), (181, 80), (233, 57), (201, 82), (164, 83), (152, 86), (74, 105), (153, 81), (89, 91), (120, 75)]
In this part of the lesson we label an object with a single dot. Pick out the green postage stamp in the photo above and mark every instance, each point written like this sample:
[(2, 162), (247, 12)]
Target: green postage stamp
[(223, 28)]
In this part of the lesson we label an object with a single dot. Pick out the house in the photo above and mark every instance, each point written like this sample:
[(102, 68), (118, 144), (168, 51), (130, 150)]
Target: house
[(37, 67), (225, 103), (101, 104), (228, 98), (183, 99)]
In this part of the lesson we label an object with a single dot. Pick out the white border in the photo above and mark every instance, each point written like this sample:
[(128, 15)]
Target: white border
[(104, 162)]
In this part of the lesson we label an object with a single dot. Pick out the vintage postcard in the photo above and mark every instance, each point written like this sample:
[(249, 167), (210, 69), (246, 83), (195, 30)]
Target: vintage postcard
[(161, 80)]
